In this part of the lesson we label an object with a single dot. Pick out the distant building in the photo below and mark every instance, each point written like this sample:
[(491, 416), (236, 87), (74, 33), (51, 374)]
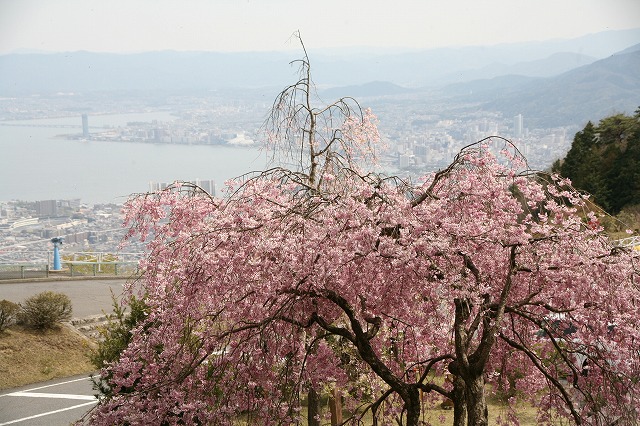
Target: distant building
[(207, 185), (47, 208), (157, 186), (85, 125), (518, 126), (405, 160)]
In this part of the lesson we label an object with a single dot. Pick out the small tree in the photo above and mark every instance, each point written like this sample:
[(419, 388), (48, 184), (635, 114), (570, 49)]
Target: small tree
[(319, 144), (115, 338), (45, 310)]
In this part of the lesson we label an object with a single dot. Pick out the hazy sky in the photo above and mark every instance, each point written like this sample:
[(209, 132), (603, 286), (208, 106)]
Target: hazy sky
[(242, 25)]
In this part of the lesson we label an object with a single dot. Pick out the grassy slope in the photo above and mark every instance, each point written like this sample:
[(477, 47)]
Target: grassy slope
[(28, 356)]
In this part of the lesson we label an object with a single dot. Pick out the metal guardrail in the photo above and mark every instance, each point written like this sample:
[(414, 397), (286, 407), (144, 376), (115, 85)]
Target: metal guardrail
[(100, 268), (100, 256), (38, 264), (70, 269), (11, 256), (24, 270)]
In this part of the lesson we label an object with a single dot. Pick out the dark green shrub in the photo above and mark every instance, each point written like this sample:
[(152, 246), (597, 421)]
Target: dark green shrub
[(45, 310), (8, 312), (116, 336)]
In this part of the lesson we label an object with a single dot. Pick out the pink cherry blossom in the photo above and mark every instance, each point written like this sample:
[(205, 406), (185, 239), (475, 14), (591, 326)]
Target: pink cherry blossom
[(485, 272)]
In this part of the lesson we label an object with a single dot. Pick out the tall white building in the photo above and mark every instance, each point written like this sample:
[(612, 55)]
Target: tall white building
[(518, 127)]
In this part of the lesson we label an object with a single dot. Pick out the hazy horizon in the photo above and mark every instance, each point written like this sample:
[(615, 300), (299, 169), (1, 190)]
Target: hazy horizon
[(120, 26), (339, 50)]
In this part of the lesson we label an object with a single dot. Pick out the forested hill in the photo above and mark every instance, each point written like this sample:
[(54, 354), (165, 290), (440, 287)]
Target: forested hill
[(604, 160)]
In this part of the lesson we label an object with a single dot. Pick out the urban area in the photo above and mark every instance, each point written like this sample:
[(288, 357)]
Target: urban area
[(420, 138)]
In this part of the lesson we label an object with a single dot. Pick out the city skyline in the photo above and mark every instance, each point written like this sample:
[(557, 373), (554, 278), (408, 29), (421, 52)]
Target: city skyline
[(257, 25)]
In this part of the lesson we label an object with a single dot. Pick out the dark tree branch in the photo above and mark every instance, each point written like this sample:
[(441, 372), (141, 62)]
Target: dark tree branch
[(538, 364)]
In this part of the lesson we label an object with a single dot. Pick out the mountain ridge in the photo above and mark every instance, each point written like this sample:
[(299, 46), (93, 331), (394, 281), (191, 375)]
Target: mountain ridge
[(173, 70), (590, 92)]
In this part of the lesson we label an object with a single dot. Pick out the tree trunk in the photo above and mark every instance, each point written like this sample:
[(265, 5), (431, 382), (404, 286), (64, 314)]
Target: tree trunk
[(459, 402), (477, 413), (313, 405), (335, 405), (412, 406)]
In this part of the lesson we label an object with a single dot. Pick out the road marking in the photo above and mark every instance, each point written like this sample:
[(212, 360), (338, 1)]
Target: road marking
[(48, 386), (48, 413), (53, 395)]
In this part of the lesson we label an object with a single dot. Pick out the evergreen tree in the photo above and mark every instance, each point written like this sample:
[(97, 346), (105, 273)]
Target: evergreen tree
[(604, 161)]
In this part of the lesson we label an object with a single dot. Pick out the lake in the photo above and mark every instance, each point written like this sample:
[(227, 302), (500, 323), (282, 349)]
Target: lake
[(37, 165)]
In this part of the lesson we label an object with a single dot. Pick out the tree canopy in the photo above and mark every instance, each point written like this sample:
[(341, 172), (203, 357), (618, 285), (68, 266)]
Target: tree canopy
[(604, 160), (326, 276)]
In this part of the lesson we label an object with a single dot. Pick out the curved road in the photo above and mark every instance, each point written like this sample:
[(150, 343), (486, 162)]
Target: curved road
[(66, 400)]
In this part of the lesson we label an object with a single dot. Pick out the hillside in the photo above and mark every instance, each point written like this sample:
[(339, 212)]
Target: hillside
[(604, 161), (372, 89), (28, 356), (590, 92)]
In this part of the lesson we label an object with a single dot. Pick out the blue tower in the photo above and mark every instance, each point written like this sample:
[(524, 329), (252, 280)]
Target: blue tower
[(57, 242)]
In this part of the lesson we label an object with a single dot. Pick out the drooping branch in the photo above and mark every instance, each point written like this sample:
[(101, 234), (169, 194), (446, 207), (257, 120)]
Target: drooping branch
[(323, 140), (428, 387), (542, 326), (538, 364), (460, 160), (357, 336)]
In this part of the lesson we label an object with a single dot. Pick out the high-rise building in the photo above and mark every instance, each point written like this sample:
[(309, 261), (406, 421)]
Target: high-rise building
[(207, 185), (157, 186), (518, 126), (47, 208), (85, 125)]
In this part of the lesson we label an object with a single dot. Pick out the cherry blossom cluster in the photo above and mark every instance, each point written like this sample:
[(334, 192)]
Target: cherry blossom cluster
[(377, 291)]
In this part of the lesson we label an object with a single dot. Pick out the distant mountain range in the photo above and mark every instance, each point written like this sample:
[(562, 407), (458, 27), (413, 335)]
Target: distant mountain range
[(589, 92), (87, 71), (553, 82)]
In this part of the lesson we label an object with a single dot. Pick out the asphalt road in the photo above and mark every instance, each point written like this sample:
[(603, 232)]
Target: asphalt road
[(88, 297), (59, 402)]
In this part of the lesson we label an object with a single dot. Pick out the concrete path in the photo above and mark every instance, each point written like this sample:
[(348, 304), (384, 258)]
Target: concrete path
[(88, 296)]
